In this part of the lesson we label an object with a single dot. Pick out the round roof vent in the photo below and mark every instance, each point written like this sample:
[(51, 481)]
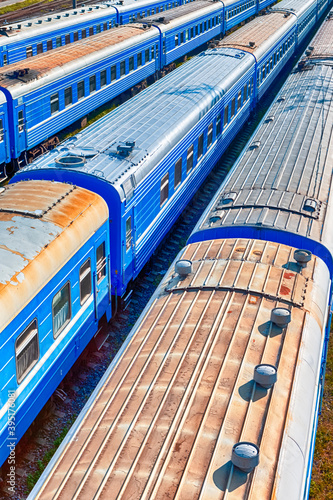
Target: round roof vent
[(245, 456), (281, 316), (302, 257), (70, 161), (183, 267), (214, 219), (265, 375)]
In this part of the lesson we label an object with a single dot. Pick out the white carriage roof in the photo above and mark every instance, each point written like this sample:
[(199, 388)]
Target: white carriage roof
[(282, 180), (11, 33), (188, 9), (152, 122), (295, 6)]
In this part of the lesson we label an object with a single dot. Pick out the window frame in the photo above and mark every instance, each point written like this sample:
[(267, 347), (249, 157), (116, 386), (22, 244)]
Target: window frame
[(85, 297), (164, 189), (68, 319), (34, 322)]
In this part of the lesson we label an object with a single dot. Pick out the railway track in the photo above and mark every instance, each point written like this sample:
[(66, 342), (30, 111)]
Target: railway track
[(39, 8)]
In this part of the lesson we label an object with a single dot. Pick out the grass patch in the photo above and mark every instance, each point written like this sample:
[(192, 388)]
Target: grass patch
[(21, 5), (322, 470)]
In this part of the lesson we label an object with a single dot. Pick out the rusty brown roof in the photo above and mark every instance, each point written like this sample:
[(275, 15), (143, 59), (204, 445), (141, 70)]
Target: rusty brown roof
[(165, 419), (42, 224), (322, 42), (255, 33), (42, 64)]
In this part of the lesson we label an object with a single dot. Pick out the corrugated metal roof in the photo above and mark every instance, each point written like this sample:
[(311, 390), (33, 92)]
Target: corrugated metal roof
[(296, 6), (322, 42), (183, 10), (166, 415), (41, 228), (282, 180), (156, 119), (259, 35), (71, 57)]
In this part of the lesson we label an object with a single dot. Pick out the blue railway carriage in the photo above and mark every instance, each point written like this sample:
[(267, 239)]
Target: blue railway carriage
[(238, 11), (306, 12), (187, 27), (133, 11), (34, 36), (56, 91), (147, 157), (224, 395), (4, 131), (280, 30), (54, 288)]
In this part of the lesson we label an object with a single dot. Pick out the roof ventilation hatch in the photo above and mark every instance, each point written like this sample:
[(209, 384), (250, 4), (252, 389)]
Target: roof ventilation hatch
[(265, 375), (280, 316), (302, 257), (183, 267), (245, 456)]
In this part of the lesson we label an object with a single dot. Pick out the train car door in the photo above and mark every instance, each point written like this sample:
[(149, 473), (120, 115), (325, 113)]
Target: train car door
[(129, 247), (20, 129), (102, 277)]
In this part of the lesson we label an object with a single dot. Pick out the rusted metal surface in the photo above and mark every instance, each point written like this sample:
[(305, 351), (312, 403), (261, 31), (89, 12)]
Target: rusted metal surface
[(42, 224), (166, 415), (41, 64), (253, 35), (322, 43)]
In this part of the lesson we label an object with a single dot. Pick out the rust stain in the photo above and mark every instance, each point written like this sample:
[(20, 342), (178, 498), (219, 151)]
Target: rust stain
[(284, 290), (257, 252), (288, 276), (253, 299), (240, 249)]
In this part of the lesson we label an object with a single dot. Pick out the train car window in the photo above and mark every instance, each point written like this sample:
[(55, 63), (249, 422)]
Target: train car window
[(157, 9), (39, 48), (164, 189), (49, 45), (226, 112), (218, 124), (100, 262), (1, 130), (91, 31), (20, 121), (128, 233), (26, 350), (186, 35), (98, 28), (146, 55), (54, 100), (192, 32), (200, 145), (92, 83), (122, 68), (68, 96), (105, 26), (85, 281), (113, 73), (182, 37), (76, 36), (189, 159), (251, 83), (201, 27), (139, 59), (4, 59), (239, 100), (80, 90), (67, 39), (164, 46), (233, 107), (178, 172), (103, 78), (148, 12), (176, 40), (29, 51), (152, 53), (58, 41), (152, 12), (61, 309), (121, 19), (210, 135), (131, 63), (245, 93), (84, 33)]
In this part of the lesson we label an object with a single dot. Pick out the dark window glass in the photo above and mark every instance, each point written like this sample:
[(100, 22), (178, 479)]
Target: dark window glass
[(58, 41), (113, 73), (85, 281), (239, 100), (91, 30), (105, 26), (1, 130), (122, 68), (54, 99), (101, 262), (226, 112), (68, 96), (61, 309), (164, 189), (67, 39), (76, 36), (84, 33), (152, 53), (98, 28), (218, 124), (103, 78), (200, 145), (128, 233), (182, 37), (39, 48), (5, 59), (26, 350), (139, 59), (176, 40), (29, 51), (20, 121), (233, 107), (92, 83), (80, 90), (210, 135), (189, 159), (178, 172), (147, 55), (49, 45), (131, 63), (245, 93)]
